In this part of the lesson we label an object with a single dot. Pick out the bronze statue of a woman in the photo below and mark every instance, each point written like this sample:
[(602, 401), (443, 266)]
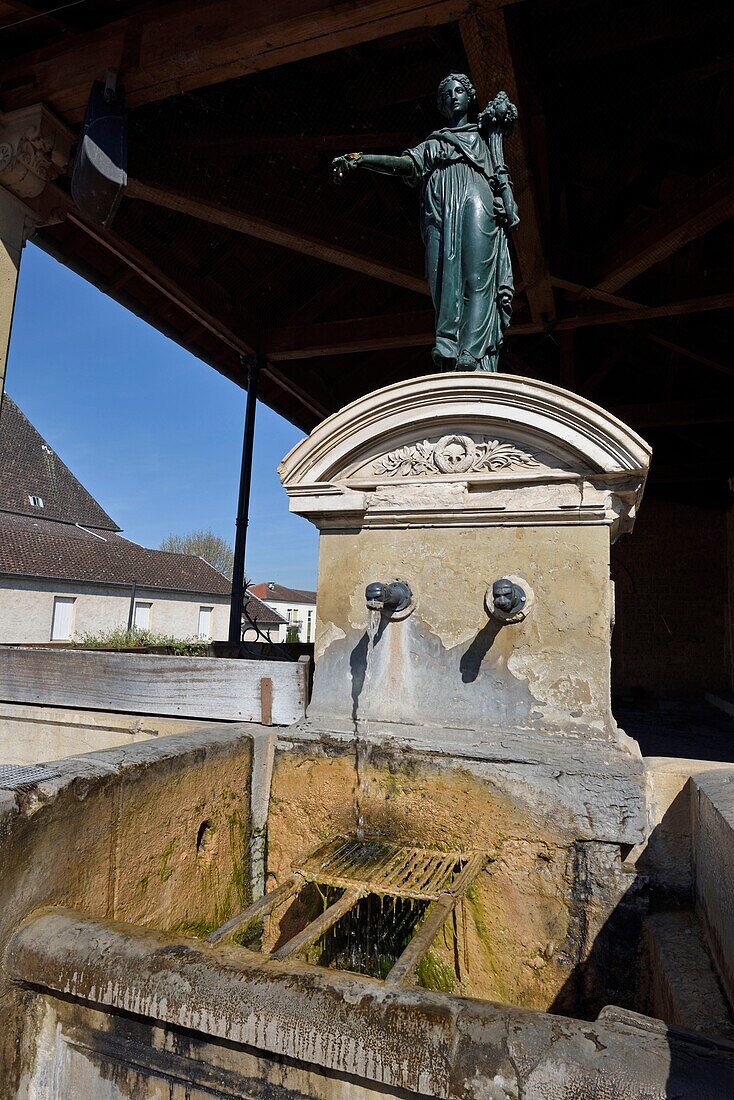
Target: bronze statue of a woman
[(467, 212)]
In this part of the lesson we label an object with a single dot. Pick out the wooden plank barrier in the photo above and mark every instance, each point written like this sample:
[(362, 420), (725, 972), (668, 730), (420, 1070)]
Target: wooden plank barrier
[(268, 692)]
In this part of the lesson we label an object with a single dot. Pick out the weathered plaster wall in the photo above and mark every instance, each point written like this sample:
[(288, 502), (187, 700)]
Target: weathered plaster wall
[(713, 855), (26, 610), (158, 834), (448, 663), (535, 927)]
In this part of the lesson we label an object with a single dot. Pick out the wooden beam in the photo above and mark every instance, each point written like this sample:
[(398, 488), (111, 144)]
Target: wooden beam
[(629, 161), (644, 313), (386, 332), (663, 414), (300, 145), (567, 366), (26, 13), (594, 380), (320, 925), (288, 236), (689, 353), (224, 330), (259, 909), (581, 291), (491, 66), (706, 204), (188, 45), (605, 33)]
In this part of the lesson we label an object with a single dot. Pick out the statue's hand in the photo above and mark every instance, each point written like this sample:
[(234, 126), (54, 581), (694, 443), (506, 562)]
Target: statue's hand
[(504, 298), (498, 211), (342, 166)]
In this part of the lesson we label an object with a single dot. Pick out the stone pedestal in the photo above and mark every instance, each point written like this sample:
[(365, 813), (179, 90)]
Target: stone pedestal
[(451, 482)]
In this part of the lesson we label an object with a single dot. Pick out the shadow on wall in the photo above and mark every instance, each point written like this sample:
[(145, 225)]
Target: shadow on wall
[(358, 664), (676, 986), (471, 659)]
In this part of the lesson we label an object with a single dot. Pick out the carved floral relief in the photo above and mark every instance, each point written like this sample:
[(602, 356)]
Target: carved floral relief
[(454, 454)]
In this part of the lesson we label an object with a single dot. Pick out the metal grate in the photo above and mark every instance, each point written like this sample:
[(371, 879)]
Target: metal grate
[(361, 868), (17, 777), (383, 868)]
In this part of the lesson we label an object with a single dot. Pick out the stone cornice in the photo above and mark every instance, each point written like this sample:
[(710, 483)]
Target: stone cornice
[(468, 448)]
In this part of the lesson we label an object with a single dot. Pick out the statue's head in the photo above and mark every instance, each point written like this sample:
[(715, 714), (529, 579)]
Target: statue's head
[(503, 595), (456, 96)]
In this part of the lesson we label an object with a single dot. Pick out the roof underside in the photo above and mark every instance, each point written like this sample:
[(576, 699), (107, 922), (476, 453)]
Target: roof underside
[(232, 237)]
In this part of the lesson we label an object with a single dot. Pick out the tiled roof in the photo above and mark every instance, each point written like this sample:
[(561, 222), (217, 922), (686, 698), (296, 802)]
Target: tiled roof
[(259, 612), (29, 467), (35, 547), (277, 593)]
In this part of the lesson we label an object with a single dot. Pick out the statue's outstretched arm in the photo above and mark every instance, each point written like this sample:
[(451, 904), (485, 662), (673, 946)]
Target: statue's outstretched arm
[(375, 162)]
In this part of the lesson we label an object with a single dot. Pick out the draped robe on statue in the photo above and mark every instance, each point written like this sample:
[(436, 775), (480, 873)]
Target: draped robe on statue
[(467, 252)]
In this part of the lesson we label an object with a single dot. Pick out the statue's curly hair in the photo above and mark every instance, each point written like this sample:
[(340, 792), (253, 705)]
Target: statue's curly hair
[(466, 84)]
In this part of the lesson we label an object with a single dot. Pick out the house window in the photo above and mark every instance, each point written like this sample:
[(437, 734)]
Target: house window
[(205, 622), (141, 617), (61, 620), (309, 625), (36, 502)]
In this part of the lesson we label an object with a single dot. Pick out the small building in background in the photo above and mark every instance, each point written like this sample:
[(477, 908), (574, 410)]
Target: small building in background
[(65, 569), (260, 622), (296, 605)]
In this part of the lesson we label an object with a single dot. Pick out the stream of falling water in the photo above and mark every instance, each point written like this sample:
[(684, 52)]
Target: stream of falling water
[(361, 746)]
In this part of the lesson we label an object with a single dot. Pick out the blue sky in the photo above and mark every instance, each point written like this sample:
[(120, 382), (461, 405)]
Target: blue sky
[(153, 433)]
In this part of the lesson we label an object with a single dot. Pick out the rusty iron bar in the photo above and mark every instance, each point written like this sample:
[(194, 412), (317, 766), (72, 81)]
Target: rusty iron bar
[(404, 968), (384, 868), (322, 924), (260, 908)]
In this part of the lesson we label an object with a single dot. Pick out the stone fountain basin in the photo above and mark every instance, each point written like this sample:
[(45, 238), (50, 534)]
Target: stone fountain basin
[(126, 1012), (148, 849)]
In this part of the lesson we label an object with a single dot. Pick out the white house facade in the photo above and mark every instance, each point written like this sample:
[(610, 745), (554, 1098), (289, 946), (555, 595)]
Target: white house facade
[(65, 569), (297, 606)]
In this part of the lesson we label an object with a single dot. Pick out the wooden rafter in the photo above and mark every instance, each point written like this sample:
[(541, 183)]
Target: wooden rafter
[(663, 414), (417, 329), (491, 65), (706, 204), (225, 329), (291, 236), (689, 353), (187, 45), (26, 13), (578, 290), (300, 145)]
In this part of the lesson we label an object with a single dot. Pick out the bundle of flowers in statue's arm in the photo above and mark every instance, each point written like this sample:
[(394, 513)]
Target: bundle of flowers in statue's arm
[(496, 122)]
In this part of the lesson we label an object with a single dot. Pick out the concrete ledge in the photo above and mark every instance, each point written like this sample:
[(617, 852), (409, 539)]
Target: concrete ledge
[(713, 857), (683, 988), (428, 1043), (594, 789)]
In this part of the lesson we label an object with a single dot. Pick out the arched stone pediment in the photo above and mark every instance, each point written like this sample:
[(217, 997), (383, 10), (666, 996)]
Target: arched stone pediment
[(483, 447)]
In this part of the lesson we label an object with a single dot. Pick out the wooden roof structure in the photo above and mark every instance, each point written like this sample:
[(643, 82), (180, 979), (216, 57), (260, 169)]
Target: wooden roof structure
[(233, 239)]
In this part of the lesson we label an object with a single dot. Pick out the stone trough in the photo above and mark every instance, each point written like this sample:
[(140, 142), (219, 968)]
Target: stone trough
[(456, 876)]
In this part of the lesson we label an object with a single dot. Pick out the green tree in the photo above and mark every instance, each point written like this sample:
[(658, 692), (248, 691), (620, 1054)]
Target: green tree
[(205, 544)]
